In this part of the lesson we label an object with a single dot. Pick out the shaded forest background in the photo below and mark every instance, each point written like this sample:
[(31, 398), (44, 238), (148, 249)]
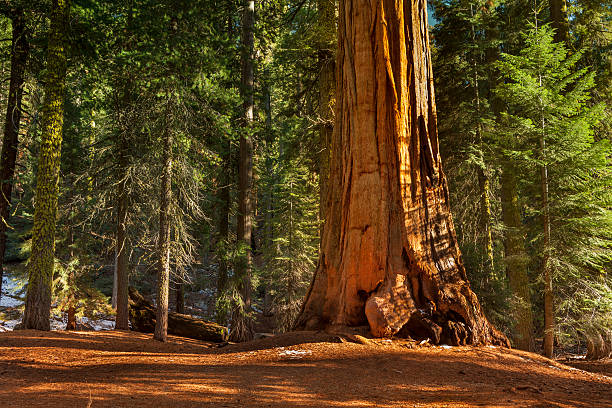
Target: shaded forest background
[(523, 92)]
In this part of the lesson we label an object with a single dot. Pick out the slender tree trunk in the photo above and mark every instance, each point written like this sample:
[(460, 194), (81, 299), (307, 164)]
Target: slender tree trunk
[(268, 235), (114, 295), (485, 220), (559, 20), (242, 329), (389, 256), (326, 30), (549, 315), (224, 212), (122, 316), (40, 265), (483, 179), (10, 141), (122, 146), (224, 197), (516, 260), (163, 280)]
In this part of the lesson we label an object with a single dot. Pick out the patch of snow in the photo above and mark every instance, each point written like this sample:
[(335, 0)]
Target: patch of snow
[(99, 324), (492, 346), (8, 325), (294, 354), (445, 346), (10, 292)]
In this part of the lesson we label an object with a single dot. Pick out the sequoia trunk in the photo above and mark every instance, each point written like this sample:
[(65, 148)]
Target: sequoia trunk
[(389, 256), (10, 141)]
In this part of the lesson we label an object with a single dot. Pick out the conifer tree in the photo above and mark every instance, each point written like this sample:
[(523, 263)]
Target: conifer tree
[(41, 262), (546, 96)]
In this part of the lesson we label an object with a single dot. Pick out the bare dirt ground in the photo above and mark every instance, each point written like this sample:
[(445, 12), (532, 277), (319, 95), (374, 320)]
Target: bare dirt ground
[(121, 369)]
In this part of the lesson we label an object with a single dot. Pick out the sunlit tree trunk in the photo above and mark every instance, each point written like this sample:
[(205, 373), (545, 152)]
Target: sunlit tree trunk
[(389, 256), (242, 329), (10, 141), (41, 262)]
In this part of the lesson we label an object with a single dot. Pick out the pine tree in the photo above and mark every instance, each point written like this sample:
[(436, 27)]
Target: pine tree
[(546, 96)]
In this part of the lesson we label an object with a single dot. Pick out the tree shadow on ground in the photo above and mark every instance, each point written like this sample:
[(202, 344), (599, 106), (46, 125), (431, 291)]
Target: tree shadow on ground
[(348, 375)]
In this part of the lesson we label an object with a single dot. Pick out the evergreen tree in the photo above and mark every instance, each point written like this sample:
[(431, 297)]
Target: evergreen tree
[(42, 259), (550, 119)]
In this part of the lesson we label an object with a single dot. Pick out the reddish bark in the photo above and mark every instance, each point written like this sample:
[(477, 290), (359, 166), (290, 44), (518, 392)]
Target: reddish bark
[(389, 255)]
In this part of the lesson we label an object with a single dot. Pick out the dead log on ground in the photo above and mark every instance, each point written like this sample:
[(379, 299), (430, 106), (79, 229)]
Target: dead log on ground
[(142, 319)]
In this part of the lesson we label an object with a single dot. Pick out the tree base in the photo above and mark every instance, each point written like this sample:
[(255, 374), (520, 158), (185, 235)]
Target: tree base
[(450, 314)]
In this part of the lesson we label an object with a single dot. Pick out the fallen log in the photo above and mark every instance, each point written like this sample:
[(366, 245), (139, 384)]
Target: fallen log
[(142, 319)]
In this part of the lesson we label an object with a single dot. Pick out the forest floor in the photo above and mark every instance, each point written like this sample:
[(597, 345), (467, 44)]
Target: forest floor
[(304, 369)]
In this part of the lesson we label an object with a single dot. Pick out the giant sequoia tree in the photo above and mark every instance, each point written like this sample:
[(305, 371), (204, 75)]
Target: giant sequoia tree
[(389, 257)]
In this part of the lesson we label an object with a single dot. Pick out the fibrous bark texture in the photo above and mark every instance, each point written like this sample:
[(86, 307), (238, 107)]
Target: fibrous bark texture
[(389, 255), (40, 265)]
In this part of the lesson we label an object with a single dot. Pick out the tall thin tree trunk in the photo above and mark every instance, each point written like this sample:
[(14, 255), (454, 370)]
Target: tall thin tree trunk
[(114, 295), (549, 314), (122, 316), (483, 179), (326, 30), (40, 265), (224, 198), (516, 260), (242, 329), (163, 279), (10, 141), (223, 222), (122, 146), (389, 256)]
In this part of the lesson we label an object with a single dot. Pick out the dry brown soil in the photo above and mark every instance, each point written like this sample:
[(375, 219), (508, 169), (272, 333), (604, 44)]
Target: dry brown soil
[(120, 369)]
